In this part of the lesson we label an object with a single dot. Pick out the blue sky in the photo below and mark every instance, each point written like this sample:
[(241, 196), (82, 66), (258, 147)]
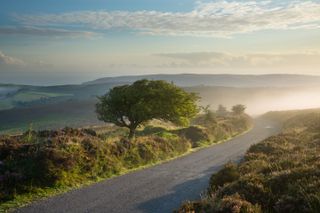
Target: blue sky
[(57, 42)]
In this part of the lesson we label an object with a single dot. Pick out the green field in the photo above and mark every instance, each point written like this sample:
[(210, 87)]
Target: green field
[(50, 121), (6, 104), (23, 97), (33, 95), (48, 116)]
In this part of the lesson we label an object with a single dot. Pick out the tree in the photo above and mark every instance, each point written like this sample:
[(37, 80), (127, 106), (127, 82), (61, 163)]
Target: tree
[(209, 116), (222, 110), (238, 109), (131, 105)]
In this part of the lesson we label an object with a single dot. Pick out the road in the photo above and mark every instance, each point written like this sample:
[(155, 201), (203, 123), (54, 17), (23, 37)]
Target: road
[(158, 189)]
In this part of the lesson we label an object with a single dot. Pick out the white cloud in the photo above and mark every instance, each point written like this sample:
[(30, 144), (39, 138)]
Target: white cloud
[(27, 30), (218, 59), (217, 19), (9, 61)]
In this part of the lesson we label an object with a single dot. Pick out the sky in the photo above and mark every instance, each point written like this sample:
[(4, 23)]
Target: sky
[(48, 42)]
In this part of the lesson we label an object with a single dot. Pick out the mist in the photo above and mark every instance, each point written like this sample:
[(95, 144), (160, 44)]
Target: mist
[(260, 100)]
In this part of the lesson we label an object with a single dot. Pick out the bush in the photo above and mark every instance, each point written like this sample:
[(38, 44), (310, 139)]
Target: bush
[(195, 207), (228, 204), (251, 187), (195, 134), (218, 129), (69, 157), (235, 204), (226, 175)]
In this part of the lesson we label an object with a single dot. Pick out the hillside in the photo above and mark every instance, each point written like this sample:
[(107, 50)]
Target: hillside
[(72, 105), (48, 107), (73, 113), (226, 80), (280, 174), (15, 96)]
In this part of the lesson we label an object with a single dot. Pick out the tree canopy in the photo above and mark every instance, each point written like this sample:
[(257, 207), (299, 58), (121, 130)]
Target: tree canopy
[(132, 105), (238, 109)]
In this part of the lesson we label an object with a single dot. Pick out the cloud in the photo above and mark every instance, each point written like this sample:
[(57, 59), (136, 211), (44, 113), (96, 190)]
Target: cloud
[(43, 32), (219, 59), (216, 19), (9, 61)]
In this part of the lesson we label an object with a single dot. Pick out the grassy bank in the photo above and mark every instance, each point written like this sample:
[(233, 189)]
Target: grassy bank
[(280, 174), (43, 163)]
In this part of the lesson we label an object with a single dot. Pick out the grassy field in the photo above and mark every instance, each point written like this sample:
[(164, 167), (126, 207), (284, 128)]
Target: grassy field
[(49, 116), (280, 174), (48, 107), (39, 164), (28, 97), (12, 96), (34, 95), (6, 104)]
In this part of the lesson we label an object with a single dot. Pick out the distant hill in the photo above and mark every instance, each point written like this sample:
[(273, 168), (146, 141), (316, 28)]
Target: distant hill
[(48, 107), (226, 80)]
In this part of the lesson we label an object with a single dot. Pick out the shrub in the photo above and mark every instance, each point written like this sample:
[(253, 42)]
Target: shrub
[(235, 204), (226, 175), (228, 204), (195, 207), (69, 157), (195, 134)]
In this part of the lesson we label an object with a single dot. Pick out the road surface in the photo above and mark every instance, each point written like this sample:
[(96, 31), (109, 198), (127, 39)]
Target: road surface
[(158, 189)]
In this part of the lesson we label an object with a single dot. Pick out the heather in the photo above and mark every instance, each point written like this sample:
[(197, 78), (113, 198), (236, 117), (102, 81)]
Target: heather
[(41, 163), (279, 174)]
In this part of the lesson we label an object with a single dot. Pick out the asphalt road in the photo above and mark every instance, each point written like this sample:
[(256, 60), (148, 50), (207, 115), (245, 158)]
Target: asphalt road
[(161, 188)]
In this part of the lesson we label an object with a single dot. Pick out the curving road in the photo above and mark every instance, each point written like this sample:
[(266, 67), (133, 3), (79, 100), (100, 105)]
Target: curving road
[(161, 188)]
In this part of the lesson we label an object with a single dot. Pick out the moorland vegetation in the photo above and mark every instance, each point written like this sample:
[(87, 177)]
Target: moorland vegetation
[(279, 174), (42, 163)]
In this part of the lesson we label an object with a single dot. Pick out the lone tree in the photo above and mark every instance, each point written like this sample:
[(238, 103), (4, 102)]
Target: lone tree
[(131, 105), (238, 109)]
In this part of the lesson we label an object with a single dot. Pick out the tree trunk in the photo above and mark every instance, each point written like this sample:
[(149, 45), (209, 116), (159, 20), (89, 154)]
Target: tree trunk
[(131, 133)]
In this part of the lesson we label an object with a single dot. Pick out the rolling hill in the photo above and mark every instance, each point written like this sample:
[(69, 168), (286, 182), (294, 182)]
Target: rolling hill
[(226, 80), (73, 105)]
